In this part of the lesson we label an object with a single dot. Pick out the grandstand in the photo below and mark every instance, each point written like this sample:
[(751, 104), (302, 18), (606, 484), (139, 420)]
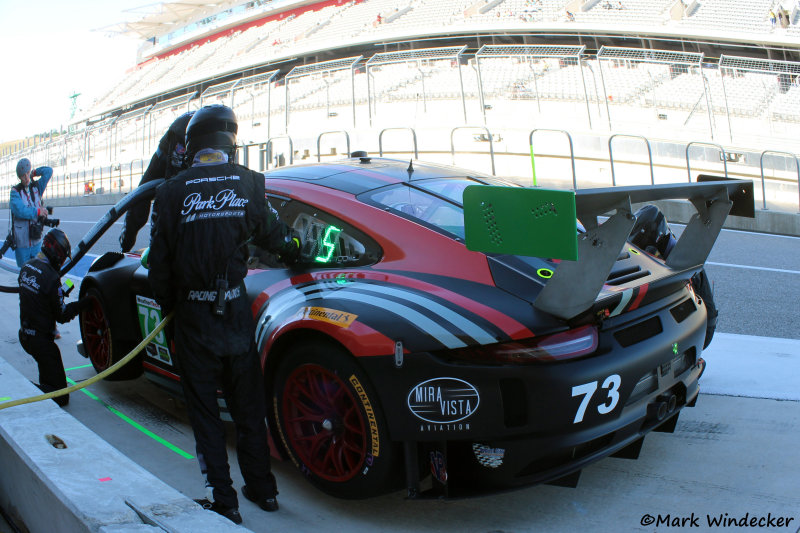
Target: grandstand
[(710, 70)]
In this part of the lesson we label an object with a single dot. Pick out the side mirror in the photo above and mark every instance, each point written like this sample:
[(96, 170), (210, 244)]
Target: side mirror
[(146, 258)]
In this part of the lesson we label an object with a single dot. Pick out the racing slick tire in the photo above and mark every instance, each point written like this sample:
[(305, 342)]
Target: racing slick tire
[(331, 424), (101, 348)]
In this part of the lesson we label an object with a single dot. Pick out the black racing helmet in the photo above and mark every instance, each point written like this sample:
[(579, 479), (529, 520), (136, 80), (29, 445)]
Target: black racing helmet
[(651, 232), (55, 246), (212, 126), (177, 130), (23, 167), (173, 143)]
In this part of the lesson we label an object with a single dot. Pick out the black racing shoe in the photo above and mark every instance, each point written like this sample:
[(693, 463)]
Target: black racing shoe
[(268, 504), (231, 513)]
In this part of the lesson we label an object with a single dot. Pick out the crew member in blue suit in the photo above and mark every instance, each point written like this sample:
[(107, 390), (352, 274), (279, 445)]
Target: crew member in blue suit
[(26, 208)]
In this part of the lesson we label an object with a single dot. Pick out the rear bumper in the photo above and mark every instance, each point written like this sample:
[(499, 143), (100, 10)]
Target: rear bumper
[(502, 426)]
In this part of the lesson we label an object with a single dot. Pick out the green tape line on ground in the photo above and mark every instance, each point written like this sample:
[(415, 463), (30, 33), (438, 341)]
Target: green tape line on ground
[(135, 424), (77, 367)]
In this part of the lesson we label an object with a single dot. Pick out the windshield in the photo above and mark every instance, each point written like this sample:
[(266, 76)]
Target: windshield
[(435, 201)]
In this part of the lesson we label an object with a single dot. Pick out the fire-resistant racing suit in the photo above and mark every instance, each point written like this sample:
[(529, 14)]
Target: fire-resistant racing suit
[(41, 304), (201, 220)]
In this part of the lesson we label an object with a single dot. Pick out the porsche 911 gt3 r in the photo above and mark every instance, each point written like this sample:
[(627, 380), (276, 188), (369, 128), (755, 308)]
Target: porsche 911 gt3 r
[(450, 332)]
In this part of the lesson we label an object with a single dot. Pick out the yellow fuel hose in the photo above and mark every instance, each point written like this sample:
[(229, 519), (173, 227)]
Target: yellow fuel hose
[(94, 379)]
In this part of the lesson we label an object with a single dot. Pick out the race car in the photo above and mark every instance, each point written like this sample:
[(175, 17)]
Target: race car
[(449, 331)]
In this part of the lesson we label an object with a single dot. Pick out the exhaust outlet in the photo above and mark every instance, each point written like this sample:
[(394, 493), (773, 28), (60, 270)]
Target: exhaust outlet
[(657, 410), (670, 400)]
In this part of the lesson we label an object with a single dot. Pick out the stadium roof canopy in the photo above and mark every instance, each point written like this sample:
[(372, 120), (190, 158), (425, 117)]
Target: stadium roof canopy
[(163, 17)]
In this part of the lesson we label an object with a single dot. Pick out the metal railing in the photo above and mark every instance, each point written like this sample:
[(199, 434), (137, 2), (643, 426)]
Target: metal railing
[(611, 156), (571, 154), (413, 135), (124, 177), (761, 164), (488, 135), (698, 143)]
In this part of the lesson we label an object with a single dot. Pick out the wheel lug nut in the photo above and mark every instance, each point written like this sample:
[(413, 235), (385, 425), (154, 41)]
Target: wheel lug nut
[(327, 424)]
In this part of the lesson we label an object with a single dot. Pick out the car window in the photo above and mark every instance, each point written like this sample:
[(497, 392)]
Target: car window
[(435, 201), (329, 241), (423, 206)]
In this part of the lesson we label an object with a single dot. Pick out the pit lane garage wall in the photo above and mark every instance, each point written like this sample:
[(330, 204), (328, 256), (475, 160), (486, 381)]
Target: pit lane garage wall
[(59, 476)]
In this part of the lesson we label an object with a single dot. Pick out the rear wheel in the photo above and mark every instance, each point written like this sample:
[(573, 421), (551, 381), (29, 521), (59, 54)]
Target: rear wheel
[(331, 423), (98, 341)]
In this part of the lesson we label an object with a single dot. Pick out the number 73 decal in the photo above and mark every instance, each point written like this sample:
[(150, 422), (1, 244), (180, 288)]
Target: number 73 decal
[(587, 390)]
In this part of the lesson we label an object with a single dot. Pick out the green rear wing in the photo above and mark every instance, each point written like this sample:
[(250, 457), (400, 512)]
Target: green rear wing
[(543, 223)]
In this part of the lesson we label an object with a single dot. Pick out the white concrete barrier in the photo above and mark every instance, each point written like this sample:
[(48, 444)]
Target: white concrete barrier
[(56, 475)]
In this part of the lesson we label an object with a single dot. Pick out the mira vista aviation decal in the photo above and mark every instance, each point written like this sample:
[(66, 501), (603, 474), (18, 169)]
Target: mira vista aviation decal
[(443, 400)]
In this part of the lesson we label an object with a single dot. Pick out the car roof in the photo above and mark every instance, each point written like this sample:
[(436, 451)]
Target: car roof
[(358, 175)]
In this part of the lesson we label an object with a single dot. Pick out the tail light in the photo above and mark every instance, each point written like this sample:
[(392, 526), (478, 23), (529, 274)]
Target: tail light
[(561, 346)]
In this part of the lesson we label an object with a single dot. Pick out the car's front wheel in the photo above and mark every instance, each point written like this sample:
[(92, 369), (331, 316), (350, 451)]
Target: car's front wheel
[(331, 424), (101, 347)]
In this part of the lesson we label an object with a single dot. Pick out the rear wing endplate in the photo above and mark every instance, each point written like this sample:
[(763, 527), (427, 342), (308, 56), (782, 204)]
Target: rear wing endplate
[(542, 223)]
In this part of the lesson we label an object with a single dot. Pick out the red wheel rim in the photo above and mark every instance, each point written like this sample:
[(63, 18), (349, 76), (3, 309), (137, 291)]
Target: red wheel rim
[(323, 423), (96, 335)]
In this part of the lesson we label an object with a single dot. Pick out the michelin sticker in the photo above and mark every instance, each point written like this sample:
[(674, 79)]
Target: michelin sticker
[(149, 317), (444, 403)]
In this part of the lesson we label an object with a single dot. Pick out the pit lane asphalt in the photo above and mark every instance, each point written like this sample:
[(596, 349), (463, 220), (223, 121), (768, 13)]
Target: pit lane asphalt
[(730, 454)]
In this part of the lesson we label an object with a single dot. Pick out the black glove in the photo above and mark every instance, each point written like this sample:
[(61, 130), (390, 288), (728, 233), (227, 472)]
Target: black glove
[(290, 251)]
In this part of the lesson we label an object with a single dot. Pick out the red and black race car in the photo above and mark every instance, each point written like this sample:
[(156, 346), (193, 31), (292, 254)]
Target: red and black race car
[(449, 331)]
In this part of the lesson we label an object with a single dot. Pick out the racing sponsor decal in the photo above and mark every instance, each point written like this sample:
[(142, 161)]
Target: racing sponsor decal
[(443, 402), (488, 456), (149, 317), (211, 296), (331, 316), (212, 179), (29, 282), (373, 423), (221, 205)]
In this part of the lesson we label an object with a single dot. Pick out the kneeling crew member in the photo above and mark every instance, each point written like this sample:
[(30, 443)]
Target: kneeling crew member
[(202, 220), (41, 304)]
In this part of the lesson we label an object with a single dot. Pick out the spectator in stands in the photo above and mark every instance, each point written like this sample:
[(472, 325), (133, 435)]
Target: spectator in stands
[(26, 208), (165, 163), (379, 20), (772, 18), (570, 16)]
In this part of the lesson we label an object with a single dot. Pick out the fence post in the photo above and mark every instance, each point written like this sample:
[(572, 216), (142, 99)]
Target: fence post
[(611, 156)]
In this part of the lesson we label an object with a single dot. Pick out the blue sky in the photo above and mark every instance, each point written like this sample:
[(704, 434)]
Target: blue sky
[(49, 51)]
